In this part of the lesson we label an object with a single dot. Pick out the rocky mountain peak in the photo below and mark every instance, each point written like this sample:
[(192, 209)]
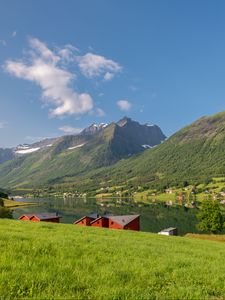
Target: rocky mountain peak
[(94, 128), (122, 122)]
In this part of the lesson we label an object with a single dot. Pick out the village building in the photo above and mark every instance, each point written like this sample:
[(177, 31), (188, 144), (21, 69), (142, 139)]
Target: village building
[(86, 220), (169, 231), (48, 217), (127, 222), (102, 221), (25, 217)]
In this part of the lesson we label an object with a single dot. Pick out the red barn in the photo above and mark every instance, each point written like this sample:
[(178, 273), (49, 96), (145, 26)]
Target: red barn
[(86, 220), (53, 217), (100, 222), (25, 217), (127, 222)]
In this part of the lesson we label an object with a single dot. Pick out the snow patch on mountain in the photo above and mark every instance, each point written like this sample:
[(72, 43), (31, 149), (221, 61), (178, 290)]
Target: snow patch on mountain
[(27, 150), (146, 146), (77, 146)]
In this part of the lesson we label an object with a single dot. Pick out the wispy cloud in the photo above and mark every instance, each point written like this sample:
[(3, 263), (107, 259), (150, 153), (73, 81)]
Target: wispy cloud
[(3, 43), (124, 105), (44, 67), (92, 65), (70, 130), (14, 34), (100, 112), (3, 124), (67, 52)]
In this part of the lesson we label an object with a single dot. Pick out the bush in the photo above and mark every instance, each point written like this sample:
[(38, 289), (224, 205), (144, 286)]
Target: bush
[(210, 217)]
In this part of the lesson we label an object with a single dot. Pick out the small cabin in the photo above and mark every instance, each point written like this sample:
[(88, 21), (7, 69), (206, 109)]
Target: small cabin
[(25, 217), (51, 217), (127, 222), (102, 221), (169, 231), (86, 220)]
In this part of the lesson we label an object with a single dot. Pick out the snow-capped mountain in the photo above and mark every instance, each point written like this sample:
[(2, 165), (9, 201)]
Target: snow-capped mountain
[(94, 128), (125, 138)]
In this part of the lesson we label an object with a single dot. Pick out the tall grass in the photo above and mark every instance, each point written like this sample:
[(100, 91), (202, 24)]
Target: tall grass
[(56, 261)]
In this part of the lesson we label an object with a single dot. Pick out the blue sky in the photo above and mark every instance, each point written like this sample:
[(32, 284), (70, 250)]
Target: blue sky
[(66, 64)]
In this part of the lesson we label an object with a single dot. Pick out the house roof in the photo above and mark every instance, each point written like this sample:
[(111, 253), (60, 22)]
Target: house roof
[(169, 229), (91, 216), (100, 217), (123, 220), (29, 216), (46, 216), (77, 221), (95, 220)]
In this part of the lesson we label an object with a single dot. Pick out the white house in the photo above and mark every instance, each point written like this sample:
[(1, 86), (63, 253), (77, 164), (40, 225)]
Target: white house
[(169, 231)]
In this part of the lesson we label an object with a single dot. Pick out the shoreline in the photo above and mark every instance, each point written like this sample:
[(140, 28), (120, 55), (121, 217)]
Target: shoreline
[(15, 204)]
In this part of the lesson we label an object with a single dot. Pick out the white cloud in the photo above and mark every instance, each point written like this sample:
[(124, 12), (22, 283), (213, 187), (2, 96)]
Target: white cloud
[(92, 65), (3, 43), (100, 112), (3, 125), (108, 76), (43, 67), (124, 105), (14, 34), (70, 130), (67, 53)]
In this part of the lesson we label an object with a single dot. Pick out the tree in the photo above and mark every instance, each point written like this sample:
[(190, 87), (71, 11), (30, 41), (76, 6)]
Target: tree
[(5, 213), (210, 217)]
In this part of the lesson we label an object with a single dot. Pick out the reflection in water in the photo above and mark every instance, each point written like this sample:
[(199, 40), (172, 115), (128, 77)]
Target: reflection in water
[(154, 217)]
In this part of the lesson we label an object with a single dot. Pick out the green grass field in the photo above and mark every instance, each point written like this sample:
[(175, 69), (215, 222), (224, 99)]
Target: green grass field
[(56, 261)]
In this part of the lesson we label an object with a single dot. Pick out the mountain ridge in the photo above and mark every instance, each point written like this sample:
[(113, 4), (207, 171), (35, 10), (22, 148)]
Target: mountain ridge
[(75, 154)]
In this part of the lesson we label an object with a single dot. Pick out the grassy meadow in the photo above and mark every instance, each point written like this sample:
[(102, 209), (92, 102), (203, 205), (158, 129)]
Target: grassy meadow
[(46, 261)]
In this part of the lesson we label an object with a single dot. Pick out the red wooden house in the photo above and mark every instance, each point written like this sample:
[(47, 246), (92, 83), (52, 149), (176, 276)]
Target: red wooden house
[(25, 217), (102, 221), (51, 217), (86, 220), (127, 222)]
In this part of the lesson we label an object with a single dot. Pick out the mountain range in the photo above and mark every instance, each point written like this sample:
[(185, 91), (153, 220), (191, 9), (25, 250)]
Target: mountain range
[(121, 153), (52, 161)]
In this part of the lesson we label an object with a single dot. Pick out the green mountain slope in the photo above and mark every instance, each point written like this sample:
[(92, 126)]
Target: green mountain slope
[(73, 156), (195, 153)]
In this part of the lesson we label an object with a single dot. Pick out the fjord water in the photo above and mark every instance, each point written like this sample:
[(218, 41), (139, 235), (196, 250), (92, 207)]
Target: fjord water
[(154, 216)]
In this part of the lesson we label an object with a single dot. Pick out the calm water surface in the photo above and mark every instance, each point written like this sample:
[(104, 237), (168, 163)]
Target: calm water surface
[(154, 217)]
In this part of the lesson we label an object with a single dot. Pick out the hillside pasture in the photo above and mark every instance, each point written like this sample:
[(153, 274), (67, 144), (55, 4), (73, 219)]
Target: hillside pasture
[(46, 261)]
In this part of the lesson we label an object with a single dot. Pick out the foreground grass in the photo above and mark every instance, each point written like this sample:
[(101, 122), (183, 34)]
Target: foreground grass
[(47, 261)]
